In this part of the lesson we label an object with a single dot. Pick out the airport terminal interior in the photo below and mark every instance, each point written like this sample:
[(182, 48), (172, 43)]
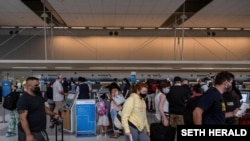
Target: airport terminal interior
[(101, 40)]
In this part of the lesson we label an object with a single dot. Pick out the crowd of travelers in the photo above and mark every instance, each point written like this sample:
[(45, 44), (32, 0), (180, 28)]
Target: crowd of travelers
[(213, 100)]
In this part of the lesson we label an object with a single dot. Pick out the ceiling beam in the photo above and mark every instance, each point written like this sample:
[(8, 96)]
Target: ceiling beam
[(189, 8), (37, 6)]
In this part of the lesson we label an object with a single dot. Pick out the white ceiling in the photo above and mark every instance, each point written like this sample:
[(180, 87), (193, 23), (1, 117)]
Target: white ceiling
[(116, 13), (127, 13)]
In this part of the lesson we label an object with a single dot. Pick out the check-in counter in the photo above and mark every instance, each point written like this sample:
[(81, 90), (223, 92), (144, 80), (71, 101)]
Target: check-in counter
[(246, 85)]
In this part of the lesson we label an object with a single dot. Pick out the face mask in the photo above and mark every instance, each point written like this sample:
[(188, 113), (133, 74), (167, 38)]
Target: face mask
[(229, 89), (166, 90), (142, 95), (36, 90)]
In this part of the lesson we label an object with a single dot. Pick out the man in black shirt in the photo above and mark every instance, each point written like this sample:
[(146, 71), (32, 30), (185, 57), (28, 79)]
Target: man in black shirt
[(32, 113), (177, 98)]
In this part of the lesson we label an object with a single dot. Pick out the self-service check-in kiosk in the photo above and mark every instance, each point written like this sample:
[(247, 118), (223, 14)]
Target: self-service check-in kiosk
[(68, 112)]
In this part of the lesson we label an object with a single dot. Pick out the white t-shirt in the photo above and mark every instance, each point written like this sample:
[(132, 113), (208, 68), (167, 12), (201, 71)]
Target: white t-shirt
[(204, 86), (157, 102), (57, 88)]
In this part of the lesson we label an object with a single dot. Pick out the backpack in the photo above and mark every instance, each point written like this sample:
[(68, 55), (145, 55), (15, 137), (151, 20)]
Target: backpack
[(188, 112), (10, 100), (101, 108), (118, 120), (153, 87)]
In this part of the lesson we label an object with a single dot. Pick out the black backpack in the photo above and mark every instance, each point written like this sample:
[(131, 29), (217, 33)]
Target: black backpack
[(188, 112), (10, 100), (152, 85)]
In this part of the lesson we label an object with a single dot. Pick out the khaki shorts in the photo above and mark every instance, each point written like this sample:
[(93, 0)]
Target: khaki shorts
[(58, 106)]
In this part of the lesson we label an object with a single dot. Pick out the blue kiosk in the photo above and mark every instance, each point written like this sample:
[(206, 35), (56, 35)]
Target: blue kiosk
[(6, 89), (85, 118)]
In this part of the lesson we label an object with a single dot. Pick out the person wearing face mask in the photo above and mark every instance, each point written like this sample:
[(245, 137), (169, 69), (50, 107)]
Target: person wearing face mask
[(58, 94), (177, 98), (161, 103), (167, 88), (32, 113), (134, 115), (232, 102), (211, 108)]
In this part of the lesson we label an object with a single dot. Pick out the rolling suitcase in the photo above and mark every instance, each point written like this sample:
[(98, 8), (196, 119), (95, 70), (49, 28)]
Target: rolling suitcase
[(56, 124), (159, 132)]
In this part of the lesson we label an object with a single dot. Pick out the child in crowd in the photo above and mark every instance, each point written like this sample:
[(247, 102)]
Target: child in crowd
[(102, 110)]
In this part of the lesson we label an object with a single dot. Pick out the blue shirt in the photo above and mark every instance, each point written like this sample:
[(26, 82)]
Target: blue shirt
[(214, 107)]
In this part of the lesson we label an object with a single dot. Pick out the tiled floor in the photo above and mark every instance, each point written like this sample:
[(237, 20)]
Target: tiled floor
[(51, 132)]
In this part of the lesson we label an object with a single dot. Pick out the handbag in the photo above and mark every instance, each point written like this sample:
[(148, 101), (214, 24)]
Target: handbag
[(159, 132), (119, 99), (118, 121)]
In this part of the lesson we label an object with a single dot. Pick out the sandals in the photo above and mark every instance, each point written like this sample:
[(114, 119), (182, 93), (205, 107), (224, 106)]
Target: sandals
[(115, 136)]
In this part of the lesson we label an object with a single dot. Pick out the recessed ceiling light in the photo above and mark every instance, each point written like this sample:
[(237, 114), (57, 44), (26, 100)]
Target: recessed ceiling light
[(78, 27), (63, 67), (29, 67)]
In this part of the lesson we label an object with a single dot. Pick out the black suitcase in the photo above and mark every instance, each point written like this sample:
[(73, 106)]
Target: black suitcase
[(159, 132)]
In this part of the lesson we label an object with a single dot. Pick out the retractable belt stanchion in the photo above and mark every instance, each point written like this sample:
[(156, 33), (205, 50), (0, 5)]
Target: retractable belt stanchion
[(62, 131), (3, 121)]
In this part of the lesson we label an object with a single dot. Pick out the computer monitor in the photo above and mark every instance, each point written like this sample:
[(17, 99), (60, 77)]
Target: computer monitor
[(245, 96), (69, 100), (96, 86)]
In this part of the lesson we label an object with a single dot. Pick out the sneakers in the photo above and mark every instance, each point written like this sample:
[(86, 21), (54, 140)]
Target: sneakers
[(99, 136), (10, 134)]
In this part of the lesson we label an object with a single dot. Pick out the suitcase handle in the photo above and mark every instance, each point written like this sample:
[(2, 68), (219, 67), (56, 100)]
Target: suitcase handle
[(130, 137)]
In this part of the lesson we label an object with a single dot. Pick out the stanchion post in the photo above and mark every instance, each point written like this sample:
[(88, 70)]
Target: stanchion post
[(62, 130), (3, 121)]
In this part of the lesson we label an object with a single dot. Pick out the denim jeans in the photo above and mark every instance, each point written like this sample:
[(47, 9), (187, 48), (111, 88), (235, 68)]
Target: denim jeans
[(113, 114), (137, 135)]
